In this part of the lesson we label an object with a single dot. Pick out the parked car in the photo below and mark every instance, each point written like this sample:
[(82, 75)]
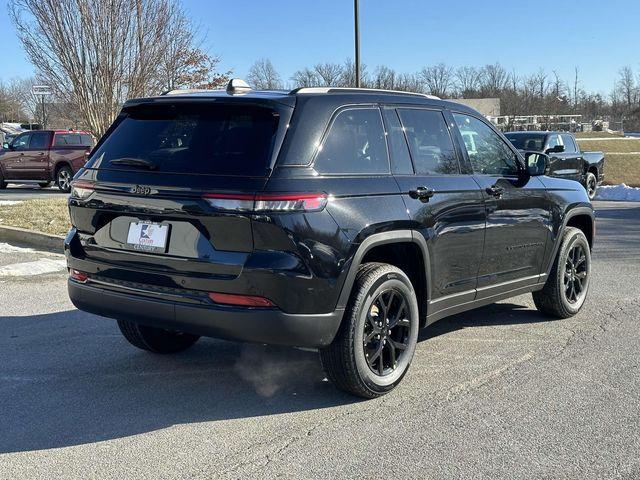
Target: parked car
[(339, 219), (44, 156), (566, 160)]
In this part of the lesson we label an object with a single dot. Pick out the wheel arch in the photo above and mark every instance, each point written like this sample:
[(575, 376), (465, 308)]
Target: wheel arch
[(582, 218), (59, 165), (401, 248)]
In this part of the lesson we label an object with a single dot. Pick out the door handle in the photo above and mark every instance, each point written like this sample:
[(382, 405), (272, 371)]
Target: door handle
[(41, 153), (495, 191), (422, 193), (21, 154)]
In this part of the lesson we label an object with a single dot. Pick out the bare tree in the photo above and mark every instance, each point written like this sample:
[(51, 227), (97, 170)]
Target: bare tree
[(468, 81), (348, 77), (385, 78), (409, 82), (626, 86), (305, 78), (438, 79), (263, 75), (328, 74), (494, 80), (95, 54)]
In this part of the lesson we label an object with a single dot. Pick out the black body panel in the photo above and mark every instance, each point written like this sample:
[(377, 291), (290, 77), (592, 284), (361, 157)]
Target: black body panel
[(473, 247)]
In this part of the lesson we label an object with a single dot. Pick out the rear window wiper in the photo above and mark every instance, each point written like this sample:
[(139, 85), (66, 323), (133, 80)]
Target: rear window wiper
[(134, 162)]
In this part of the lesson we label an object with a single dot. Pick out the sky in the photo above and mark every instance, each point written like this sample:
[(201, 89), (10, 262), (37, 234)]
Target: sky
[(599, 37)]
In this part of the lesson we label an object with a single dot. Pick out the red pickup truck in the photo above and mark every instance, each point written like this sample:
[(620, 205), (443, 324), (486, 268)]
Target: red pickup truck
[(45, 156)]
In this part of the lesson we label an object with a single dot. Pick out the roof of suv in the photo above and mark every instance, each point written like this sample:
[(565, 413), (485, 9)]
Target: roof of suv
[(289, 97)]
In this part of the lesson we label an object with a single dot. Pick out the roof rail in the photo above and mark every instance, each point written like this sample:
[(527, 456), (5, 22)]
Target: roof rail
[(182, 91), (357, 90)]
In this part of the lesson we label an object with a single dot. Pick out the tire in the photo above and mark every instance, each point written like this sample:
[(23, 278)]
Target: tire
[(560, 297), (44, 184), (591, 185), (363, 347), (156, 340), (63, 179), (3, 184)]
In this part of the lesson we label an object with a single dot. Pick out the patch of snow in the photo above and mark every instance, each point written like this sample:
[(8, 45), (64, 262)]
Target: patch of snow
[(620, 192), (4, 203), (39, 267), (6, 248)]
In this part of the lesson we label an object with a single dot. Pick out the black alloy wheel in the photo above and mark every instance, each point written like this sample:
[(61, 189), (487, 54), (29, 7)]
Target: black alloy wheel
[(575, 274), (386, 332)]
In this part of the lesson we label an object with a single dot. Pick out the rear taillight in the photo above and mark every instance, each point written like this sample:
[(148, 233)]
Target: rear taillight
[(241, 300), (268, 202), (81, 190), (78, 276)]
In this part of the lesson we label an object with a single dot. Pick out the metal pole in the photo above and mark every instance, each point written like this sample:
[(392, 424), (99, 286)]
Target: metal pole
[(357, 41)]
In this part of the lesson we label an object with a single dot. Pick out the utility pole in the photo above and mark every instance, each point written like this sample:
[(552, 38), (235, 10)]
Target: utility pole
[(357, 41)]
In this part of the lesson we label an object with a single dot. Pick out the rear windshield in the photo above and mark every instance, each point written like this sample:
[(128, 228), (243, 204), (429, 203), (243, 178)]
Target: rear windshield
[(193, 138), (521, 141)]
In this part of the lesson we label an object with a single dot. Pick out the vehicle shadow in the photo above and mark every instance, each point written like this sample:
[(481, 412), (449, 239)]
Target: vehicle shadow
[(491, 315), (69, 378)]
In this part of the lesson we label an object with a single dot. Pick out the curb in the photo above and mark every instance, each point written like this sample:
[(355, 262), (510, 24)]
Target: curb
[(32, 238)]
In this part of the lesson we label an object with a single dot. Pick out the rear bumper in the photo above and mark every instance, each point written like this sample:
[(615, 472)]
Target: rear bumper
[(257, 325)]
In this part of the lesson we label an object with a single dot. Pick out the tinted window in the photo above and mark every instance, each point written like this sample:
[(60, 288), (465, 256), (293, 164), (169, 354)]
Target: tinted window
[(354, 144), (86, 140), (569, 144), (196, 138), (488, 153), (429, 141), (400, 159), (553, 141), (527, 142), (62, 139), (21, 142)]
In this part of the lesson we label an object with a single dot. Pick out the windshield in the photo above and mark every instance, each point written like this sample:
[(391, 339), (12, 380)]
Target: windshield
[(535, 141), (191, 138)]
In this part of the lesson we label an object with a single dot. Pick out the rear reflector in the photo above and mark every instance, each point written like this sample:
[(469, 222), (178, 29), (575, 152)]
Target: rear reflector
[(240, 300), (268, 202), (78, 276)]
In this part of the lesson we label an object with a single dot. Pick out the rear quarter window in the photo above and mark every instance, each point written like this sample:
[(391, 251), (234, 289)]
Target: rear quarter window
[(354, 144), (197, 138)]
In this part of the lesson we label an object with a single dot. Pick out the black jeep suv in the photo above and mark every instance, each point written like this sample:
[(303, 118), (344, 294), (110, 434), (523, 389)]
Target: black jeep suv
[(340, 219)]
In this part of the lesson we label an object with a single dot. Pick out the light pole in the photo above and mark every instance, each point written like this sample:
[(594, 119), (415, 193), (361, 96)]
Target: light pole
[(41, 91), (357, 41)]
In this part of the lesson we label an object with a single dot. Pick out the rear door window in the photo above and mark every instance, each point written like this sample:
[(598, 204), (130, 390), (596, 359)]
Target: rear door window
[(39, 141), (355, 144), (430, 143), (191, 138)]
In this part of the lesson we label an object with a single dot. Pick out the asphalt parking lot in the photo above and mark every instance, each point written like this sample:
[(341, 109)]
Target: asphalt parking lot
[(30, 191), (500, 392)]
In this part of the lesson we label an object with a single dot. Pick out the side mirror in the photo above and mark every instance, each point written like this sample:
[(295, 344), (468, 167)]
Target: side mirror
[(537, 163), (5, 145), (556, 149)]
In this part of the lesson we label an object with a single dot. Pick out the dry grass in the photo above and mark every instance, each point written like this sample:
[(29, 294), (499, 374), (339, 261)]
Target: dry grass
[(597, 135), (622, 169), (611, 146), (50, 216)]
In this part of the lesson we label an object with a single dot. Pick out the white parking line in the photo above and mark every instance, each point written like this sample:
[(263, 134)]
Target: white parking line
[(37, 267)]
